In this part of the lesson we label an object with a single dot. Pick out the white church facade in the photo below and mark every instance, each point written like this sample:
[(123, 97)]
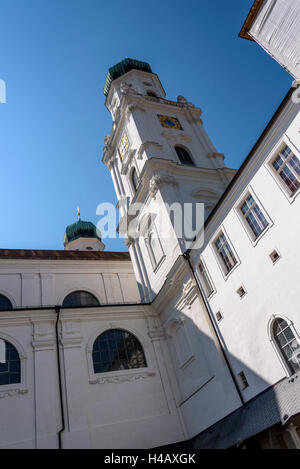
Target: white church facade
[(190, 341)]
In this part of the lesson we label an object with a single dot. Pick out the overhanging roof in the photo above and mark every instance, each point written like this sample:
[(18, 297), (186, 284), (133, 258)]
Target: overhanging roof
[(22, 254), (250, 20)]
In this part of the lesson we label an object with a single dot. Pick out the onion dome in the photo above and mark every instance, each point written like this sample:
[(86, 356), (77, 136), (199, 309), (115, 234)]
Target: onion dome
[(81, 229), (123, 67)]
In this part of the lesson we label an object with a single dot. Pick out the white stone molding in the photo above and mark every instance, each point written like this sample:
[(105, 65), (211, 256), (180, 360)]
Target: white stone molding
[(189, 293), (71, 334), (155, 329), (159, 179), (43, 335), (12, 392), (144, 146), (133, 107), (9, 297)]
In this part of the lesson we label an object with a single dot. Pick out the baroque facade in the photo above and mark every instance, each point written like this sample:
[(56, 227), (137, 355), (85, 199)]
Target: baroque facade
[(193, 340)]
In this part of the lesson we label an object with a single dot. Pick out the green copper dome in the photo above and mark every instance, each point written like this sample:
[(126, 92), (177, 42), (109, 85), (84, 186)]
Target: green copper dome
[(81, 229), (123, 67)]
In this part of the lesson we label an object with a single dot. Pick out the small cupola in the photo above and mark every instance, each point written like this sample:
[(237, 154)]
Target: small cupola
[(82, 236)]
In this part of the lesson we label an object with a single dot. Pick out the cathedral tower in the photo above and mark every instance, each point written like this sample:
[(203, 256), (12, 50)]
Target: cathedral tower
[(159, 156)]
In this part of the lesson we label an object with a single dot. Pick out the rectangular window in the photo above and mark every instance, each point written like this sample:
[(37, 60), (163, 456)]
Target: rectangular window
[(253, 217), (205, 280), (225, 253), (243, 380), (287, 166)]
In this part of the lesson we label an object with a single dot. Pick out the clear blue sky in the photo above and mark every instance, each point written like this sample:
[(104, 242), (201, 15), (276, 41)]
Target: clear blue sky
[(54, 55)]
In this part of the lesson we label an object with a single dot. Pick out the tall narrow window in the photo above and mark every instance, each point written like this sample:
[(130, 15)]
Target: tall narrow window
[(205, 280), (134, 179), (10, 366), (287, 344), (154, 247), (225, 253), (287, 166), (184, 156), (254, 217), (117, 350), (5, 304)]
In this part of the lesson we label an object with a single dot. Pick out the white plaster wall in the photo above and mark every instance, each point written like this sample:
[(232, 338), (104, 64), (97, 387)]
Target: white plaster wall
[(34, 283), (124, 409), (271, 289)]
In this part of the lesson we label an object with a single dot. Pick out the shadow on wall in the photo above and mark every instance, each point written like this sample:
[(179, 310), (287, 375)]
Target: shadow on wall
[(269, 420)]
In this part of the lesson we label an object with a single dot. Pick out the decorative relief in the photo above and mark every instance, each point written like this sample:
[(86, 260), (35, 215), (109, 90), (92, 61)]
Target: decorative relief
[(122, 378), (147, 145), (159, 179), (127, 88), (155, 329), (131, 108), (189, 293), (12, 392), (216, 155)]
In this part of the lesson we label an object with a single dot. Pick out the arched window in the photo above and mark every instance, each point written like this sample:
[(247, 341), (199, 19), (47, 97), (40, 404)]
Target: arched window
[(80, 298), (5, 304), (151, 93), (117, 350), (287, 344), (134, 179), (184, 156), (10, 366)]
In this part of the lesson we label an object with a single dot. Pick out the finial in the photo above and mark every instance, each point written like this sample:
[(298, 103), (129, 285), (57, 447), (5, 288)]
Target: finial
[(78, 213)]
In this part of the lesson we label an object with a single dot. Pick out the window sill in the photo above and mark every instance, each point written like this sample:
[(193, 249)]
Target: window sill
[(121, 376), (9, 390)]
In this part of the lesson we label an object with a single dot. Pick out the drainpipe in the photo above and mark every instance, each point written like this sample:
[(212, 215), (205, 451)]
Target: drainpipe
[(186, 256), (57, 310)]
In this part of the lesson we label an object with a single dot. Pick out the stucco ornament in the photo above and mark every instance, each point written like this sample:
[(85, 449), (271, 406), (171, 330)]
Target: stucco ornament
[(159, 179), (126, 88)]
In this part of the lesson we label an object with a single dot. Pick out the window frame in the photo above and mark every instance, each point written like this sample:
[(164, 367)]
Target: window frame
[(285, 141), (80, 290), (7, 297), (120, 376), (201, 261), (219, 260), (188, 153), (247, 193), (273, 341), (21, 387), (134, 185), (148, 228)]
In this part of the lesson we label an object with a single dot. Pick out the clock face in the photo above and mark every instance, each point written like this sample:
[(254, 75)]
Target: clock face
[(169, 122), (123, 146)]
